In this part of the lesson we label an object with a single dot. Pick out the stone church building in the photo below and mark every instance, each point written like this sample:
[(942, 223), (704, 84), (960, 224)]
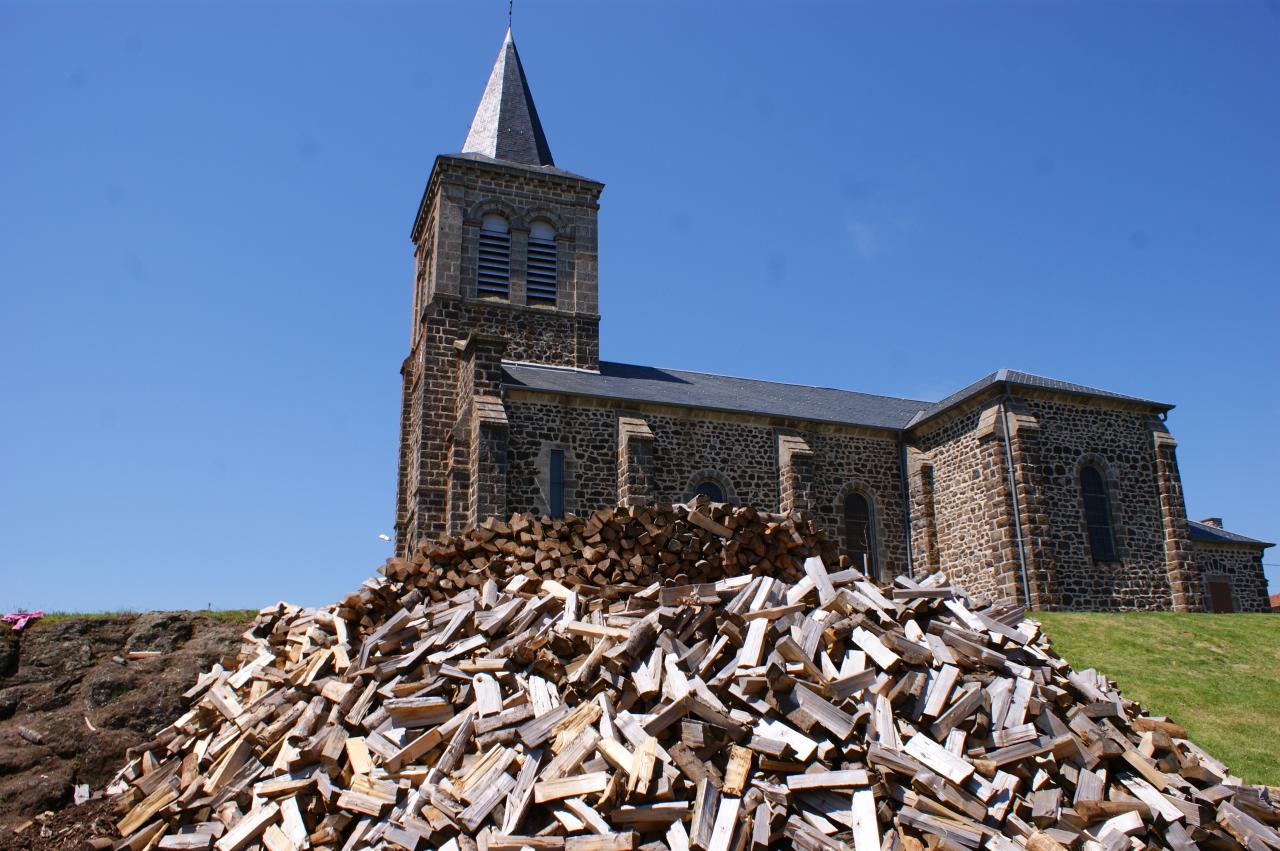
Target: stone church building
[(1019, 486)]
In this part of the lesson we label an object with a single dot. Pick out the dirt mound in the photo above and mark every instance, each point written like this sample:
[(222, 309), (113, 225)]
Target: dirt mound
[(72, 702), (69, 828)]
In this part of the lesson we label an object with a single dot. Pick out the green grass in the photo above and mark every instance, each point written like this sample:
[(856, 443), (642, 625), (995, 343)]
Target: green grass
[(1216, 675), (223, 615), (231, 615)]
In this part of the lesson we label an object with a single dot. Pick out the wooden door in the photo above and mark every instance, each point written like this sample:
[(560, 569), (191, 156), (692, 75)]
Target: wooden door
[(1220, 596)]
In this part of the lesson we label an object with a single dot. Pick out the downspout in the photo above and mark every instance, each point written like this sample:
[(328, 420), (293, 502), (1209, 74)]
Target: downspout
[(1013, 498), (906, 496)]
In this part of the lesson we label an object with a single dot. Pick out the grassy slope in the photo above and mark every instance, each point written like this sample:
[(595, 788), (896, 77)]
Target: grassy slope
[(1217, 675), (224, 615)]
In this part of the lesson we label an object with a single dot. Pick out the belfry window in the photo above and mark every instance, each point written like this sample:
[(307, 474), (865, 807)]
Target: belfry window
[(542, 270), (493, 273), (1097, 514), (858, 534)]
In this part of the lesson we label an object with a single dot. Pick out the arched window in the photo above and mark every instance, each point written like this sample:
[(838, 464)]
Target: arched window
[(712, 484), (859, 538), (493, 274), (1097, 514), (711, 490), (541, 269)]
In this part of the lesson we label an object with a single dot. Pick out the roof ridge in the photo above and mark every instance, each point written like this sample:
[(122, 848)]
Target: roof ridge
[(1226, 535)]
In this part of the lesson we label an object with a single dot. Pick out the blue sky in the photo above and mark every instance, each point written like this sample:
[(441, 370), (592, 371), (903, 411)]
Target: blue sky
[(205, 263)]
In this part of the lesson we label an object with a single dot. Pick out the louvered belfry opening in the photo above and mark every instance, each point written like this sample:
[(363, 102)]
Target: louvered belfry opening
[(542, 271), (493, 273)]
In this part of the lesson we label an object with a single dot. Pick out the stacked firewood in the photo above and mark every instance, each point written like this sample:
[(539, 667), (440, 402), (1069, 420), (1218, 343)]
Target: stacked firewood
[(521, 710), (700, 542)]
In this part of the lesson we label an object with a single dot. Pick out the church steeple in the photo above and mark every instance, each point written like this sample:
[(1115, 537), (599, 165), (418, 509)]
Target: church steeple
[(506, 125), (506, 268)]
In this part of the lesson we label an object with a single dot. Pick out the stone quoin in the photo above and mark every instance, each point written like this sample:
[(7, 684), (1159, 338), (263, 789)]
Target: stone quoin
[(1019, 486)]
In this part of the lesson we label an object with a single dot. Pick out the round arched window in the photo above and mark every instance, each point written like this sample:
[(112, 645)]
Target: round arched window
[(711, 490), (859, 542), (1097, 514), (494, 223)]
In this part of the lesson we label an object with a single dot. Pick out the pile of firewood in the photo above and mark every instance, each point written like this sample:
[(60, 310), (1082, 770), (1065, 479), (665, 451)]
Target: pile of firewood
[(526, 709), (701, 542)]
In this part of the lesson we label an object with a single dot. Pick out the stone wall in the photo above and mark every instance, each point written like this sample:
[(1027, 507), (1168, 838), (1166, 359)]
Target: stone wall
[(1238, 564), (969, 529), (635, 462), (964, 517), (1184, 586), (861, 460), (1121, 442), (434, 491), (588, 437), (738, 451), (972, 525), (463, 190), (1032, 537)]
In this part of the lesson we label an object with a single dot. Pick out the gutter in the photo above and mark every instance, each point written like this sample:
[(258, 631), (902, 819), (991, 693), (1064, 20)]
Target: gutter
[(906, 499)]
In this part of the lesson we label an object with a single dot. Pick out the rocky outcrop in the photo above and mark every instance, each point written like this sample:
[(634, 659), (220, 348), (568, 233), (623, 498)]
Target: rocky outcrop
[(72, 702)]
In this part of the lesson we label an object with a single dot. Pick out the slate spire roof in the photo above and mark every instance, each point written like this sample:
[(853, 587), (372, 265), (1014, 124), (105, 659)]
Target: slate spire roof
[(506, 125)]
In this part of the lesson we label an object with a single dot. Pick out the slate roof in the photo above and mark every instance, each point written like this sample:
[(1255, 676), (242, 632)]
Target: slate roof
[(506, 125), (628, 382), (717, 392), (1205, 532), (1026, 379)]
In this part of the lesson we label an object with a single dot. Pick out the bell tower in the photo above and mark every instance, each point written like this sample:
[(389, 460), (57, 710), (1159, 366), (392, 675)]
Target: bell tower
[(505, 267)]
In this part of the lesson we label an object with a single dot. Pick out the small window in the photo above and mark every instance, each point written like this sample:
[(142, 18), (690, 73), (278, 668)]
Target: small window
[(1097, 514), (541, 268), (555, 501), (930, 516), (493, 274), (710, 490), (858, 534)]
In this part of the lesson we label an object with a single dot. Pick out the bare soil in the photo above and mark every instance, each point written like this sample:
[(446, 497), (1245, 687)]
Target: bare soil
[(71, 705)]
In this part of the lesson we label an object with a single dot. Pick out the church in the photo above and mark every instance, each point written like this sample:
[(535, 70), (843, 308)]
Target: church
[(1020, 487)]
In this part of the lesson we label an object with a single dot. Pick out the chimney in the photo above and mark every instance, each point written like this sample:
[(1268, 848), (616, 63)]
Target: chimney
[(1215, 522)]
